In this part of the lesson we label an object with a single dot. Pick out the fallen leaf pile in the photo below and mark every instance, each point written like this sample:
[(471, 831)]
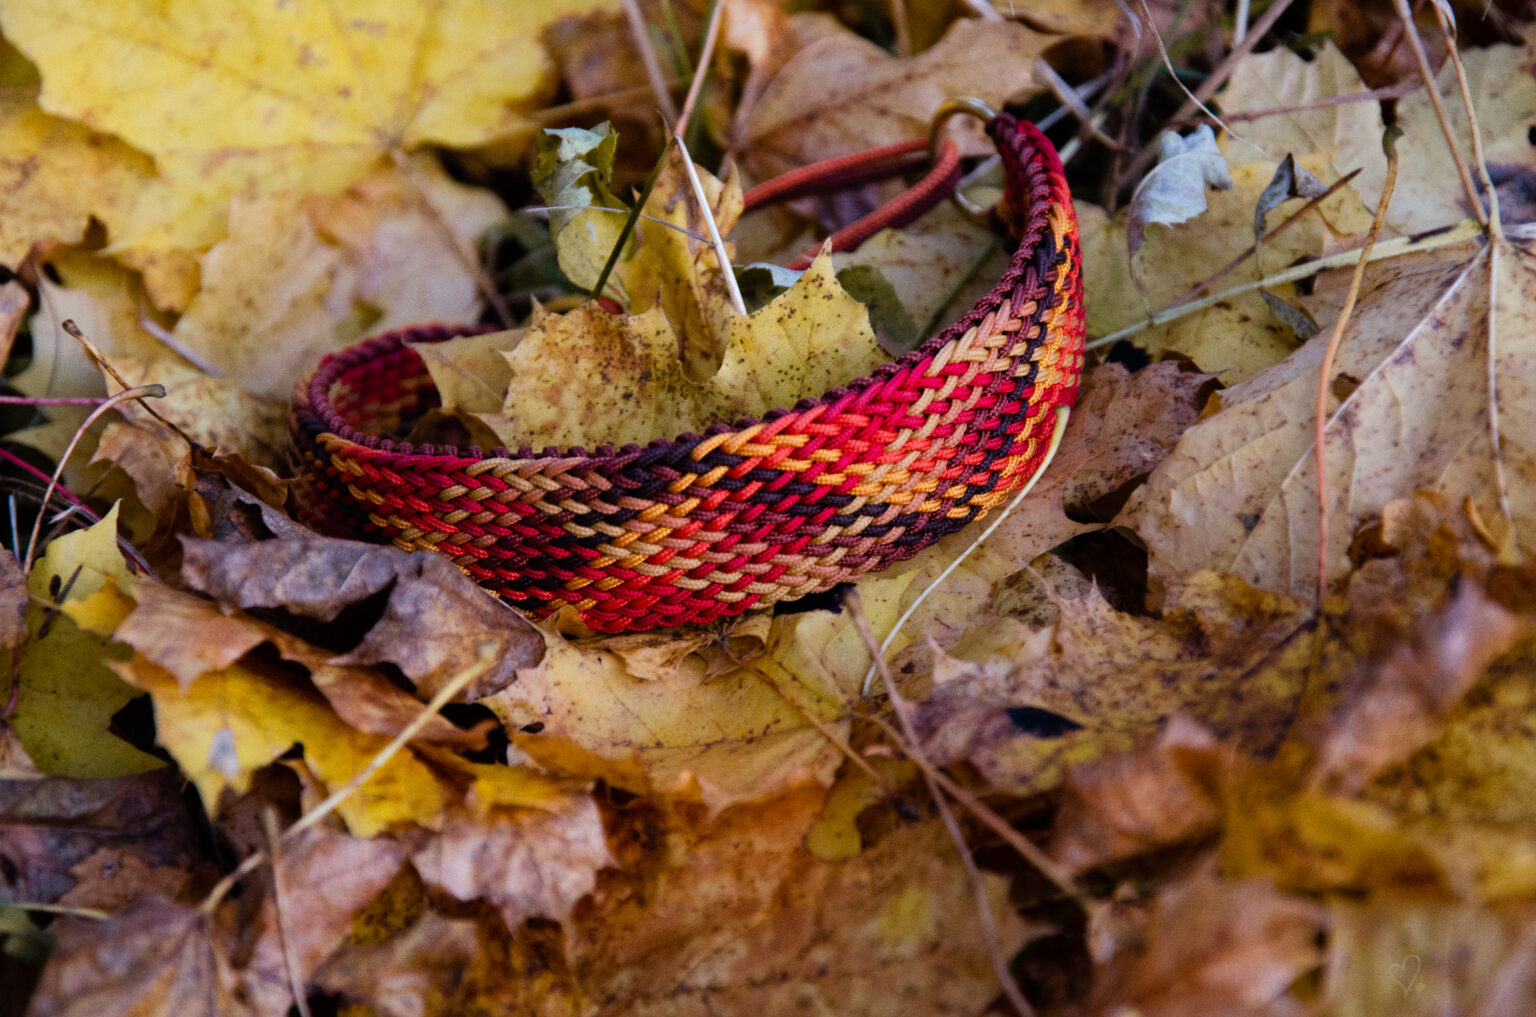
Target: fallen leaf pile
[(249, 770)]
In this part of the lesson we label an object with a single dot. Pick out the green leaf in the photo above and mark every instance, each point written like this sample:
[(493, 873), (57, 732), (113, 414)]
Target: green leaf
[(573, 173)]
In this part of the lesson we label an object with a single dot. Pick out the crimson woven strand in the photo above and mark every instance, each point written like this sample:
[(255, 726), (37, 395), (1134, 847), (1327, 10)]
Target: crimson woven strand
[(702, 527)]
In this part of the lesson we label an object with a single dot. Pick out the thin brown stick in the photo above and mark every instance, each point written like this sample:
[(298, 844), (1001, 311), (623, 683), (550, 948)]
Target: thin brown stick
[(701, 71), (1495, 224), (52, 400), (279, 894), (142, 392), (1465, 231), (1253, 249), (1022, 845), (900, 707), (1373, 95), (902, 28), (168, 339), (1411, 30), (94, 914), (647, 49), (821, 726), (1218, 77), (1325, 373), (1070, 100), (581, 107), (100, 359)]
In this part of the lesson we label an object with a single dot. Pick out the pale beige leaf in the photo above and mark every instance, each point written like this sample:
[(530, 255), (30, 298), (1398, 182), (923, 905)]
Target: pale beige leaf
[(1329, 140), (1239, 492), (1429, 193), (844, 94)]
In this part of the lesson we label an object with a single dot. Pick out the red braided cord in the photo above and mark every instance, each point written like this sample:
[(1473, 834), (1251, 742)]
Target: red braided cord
[(835, 174), (932, 189)]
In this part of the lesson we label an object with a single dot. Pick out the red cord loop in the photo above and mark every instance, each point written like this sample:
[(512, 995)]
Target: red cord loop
[(861, 168)]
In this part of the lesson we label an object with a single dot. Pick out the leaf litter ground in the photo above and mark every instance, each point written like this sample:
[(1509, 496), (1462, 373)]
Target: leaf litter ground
[(1249, 802)]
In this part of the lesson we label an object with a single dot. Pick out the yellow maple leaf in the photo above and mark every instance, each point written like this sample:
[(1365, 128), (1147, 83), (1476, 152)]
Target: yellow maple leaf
[(53, 173), (67, 695), (591, 378), (680, 273), (238, 100)]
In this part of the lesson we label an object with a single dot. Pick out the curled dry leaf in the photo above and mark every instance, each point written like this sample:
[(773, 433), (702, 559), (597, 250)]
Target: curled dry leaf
[(424, 972), (1402, 701), (1174, 191), (527, 863), (216, 412), (1170, 792), (189, 636), (432, 621)]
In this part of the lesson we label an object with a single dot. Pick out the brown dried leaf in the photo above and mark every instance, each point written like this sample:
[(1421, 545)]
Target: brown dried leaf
[(189, 636), (156, 958), (1429, 194), (528, 864), (1229, 656), (1212, 948), (432, 623), (1168, 793), (801, 934), (1329, 140), (326, 877), (843, 94), (418, 974), (95, 843), (1402, 700)]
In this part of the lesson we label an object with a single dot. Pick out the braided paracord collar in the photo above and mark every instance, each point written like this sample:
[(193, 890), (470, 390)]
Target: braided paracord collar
[(699, 528)]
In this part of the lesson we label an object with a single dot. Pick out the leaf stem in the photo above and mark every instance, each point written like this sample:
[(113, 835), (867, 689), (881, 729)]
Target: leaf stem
[(1411, 32), (1325, 373)]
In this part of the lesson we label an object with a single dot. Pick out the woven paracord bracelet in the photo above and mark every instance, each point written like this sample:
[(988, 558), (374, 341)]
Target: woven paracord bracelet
[(704, 527)]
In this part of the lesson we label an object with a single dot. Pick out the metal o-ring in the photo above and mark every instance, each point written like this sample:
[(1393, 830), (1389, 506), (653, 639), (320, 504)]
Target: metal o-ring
[(977, 108)]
